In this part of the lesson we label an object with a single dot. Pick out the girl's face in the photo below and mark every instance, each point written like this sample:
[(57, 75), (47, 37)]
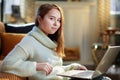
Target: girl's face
[(51, 22)]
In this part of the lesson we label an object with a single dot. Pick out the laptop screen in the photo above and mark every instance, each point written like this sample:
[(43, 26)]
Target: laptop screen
[(107, 60)]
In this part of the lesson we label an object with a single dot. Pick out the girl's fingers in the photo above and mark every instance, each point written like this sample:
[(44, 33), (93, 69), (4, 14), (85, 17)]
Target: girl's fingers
[(48, 68), (44, 67), (81, 67)]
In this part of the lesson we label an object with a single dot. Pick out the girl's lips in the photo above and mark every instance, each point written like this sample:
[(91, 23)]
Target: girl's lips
[(54, 28)]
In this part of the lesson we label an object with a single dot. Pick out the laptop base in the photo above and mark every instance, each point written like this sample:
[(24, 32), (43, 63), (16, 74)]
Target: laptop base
[(97, 78)]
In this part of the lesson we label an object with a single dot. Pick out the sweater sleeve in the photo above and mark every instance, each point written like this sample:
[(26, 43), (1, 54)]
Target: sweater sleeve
[(72, 66), (16, 63)]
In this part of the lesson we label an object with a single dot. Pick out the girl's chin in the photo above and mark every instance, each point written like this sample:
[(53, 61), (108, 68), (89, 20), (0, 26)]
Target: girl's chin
[(53, 32)]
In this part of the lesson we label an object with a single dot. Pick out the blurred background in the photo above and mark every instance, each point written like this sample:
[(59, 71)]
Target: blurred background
[(87, 23)]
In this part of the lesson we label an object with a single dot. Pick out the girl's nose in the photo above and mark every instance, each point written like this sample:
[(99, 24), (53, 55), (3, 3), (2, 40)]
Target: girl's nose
[(55, 23)]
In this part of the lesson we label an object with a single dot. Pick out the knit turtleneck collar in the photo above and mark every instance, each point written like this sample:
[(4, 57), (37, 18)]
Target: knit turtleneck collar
[(40, 36)]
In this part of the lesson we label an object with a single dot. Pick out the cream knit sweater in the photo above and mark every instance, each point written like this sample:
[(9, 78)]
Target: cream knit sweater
[(33, 48)]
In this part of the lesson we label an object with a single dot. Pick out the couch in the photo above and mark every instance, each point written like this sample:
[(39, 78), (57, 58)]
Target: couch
[(10, 35)]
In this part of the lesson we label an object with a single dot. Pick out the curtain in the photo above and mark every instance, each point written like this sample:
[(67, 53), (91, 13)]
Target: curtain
[(29, 10), (103, 14)]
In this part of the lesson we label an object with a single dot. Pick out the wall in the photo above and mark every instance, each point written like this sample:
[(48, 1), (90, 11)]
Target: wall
[(78, 29)]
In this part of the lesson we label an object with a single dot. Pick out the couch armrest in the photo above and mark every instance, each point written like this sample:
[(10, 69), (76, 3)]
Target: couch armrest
[(2, 27), (8, 76)]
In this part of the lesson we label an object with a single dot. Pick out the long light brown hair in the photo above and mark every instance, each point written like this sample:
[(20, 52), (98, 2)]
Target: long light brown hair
[(58, 35)]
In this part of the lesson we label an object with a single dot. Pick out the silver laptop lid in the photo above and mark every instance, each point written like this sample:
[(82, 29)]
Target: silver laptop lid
[(107, 60)]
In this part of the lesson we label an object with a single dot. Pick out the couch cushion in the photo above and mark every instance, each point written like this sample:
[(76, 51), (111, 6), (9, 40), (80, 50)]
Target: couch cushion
[(8, 41), (7, 76)]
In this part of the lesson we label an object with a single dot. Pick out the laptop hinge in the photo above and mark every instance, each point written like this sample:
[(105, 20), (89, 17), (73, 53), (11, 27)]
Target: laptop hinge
[(100, 77)]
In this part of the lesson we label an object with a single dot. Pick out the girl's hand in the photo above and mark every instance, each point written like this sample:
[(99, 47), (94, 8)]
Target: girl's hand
[(44, 67), (81, 67)]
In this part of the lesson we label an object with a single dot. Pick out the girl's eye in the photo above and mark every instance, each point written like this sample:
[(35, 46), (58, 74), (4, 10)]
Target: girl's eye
[(52, 18), (59, 20)]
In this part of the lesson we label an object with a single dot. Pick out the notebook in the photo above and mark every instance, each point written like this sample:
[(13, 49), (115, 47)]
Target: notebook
[(101, 69)]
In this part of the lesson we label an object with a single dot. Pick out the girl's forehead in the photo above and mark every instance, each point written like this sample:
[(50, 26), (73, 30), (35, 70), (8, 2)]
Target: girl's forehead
[(55, 12)]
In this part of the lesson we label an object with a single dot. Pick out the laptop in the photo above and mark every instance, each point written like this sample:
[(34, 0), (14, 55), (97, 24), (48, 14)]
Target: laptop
[(107, 61)]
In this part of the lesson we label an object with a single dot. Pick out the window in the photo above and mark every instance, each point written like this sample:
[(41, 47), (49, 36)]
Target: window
[(115, 6)]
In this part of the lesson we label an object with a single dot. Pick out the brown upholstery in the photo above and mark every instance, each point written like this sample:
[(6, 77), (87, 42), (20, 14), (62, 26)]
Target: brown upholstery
[(7, 76), (9, 40)]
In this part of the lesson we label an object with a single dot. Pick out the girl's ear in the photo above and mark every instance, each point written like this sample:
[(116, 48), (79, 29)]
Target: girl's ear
[(39, 19)]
